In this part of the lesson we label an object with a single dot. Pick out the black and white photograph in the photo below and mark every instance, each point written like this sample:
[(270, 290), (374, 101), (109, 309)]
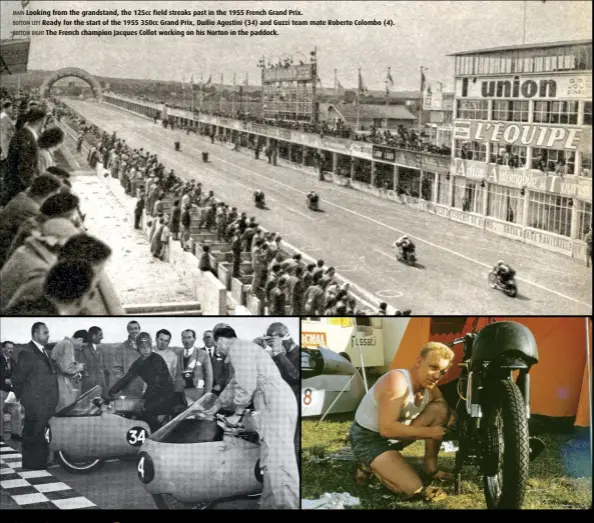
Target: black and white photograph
[(287, 158), (140, 413)]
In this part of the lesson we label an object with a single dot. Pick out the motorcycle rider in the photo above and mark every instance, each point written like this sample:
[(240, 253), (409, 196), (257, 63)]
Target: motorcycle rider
[(405, 246), (504, 273), (313, 200), (259, 198), (159, 396)]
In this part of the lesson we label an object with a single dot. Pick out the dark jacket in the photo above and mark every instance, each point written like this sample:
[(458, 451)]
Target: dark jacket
[(220, 370), (21, 164), (35, 383), (95, 372), (154, 372), (289, 365), (6, 373)]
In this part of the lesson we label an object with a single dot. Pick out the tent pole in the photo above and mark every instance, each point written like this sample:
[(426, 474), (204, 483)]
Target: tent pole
[(336, 399), (360, 355), (589, 367)]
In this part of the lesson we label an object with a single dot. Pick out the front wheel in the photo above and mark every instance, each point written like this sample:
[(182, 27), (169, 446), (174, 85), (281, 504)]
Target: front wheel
[(507, 450), (78, 467), (511, 289)]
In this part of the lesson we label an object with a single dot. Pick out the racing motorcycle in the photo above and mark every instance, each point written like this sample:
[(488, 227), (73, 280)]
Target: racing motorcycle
[(313, 202), (510, 287), (259, 200), (406, 256), (493, 410)]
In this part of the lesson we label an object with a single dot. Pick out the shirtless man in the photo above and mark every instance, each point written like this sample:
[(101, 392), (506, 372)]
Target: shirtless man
[(404, 406)]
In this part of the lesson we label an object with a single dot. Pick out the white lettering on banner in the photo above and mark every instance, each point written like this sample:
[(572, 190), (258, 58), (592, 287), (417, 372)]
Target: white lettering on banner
[(442, 211), (469, 219), (367, 341), (534, 135), (549, 240), (503, 228), (462, 130), (519, 178)]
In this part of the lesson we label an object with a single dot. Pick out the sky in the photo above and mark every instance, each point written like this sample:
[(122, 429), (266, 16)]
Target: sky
[(18, 330), (423, 34)]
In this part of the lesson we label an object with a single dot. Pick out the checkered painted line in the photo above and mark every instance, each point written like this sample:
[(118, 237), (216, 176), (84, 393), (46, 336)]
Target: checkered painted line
[(36, 489)]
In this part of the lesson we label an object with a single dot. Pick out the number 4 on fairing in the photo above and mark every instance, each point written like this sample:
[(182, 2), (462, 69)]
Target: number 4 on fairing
[(136, 436)]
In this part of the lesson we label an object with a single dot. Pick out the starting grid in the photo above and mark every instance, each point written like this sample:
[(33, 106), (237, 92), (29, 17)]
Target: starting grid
[(36, 489)]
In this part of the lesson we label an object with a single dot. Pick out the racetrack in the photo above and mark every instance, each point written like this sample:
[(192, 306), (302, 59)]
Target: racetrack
[(355, 231)]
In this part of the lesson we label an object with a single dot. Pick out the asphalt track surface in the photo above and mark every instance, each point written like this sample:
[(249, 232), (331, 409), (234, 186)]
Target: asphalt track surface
[(355, 231)]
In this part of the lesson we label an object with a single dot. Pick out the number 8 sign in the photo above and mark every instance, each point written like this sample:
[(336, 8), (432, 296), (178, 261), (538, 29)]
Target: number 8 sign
[(307, 397)]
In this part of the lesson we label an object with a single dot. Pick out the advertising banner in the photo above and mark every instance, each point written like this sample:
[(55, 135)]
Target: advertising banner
[(575, 86), (362, 150), (550, 241), (535, 135), (504, 228), (288, 74)]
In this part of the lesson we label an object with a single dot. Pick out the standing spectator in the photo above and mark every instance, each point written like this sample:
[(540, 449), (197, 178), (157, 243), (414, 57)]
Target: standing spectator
[(277, 298), (138, 211), (21, 162), (163, 338), (126, 354), (174, 222), (156, 245), (165, 235), (204, 264), (236, 249), (50, 141), (196, 368), (93, 359), (69, 370), (295, 292), (7, 368), (186, 222), (36, 387), (220, 368)]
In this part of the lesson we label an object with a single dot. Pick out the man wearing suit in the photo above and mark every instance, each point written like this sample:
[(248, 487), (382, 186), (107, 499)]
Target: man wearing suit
[(7, 366), (220, 369), (126, 354), (35, 385), (196, 368), (92, 358), (21, 161)]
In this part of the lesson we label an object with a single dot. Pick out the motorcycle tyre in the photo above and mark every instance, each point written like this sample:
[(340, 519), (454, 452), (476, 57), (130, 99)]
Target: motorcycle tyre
[(82, 467), (508, 405)]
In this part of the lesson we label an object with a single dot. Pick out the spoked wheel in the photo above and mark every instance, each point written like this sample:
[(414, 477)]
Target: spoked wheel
[(511, 291), (492, 280), (169, 502), (507, 452), (78, 467)]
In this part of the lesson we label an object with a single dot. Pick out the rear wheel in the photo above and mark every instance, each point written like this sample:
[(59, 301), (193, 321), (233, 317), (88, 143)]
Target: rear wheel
[(78, 466), (512, 290), (507, 449)]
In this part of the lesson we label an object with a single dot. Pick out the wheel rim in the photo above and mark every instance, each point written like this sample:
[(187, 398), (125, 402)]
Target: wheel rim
[(78, 465), (495, 452)]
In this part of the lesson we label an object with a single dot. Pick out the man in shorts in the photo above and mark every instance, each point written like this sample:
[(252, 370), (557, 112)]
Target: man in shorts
[(403, 406)]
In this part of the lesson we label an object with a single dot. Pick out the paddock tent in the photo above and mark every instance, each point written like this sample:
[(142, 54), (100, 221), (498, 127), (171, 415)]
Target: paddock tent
[(559, 380)]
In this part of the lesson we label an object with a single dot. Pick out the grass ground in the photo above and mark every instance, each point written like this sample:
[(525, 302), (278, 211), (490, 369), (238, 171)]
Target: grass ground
[(560, 478)]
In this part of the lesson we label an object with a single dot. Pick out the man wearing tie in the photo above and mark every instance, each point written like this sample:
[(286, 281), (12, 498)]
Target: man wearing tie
[(36, 387), (220, 369), (126, 354), (7, 366), (196, 368)]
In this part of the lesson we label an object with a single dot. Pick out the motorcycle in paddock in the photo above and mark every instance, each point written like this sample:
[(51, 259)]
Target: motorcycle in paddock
[(493, 410), (510, 287)]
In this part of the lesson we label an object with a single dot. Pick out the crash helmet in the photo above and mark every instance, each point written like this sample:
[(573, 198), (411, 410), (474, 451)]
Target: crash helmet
[(500, 263)]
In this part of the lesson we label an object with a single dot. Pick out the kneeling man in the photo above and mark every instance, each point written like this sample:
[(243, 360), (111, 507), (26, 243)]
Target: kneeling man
[(403, 406)]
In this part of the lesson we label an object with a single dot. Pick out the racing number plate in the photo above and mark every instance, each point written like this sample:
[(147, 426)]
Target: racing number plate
[(136, 436)]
